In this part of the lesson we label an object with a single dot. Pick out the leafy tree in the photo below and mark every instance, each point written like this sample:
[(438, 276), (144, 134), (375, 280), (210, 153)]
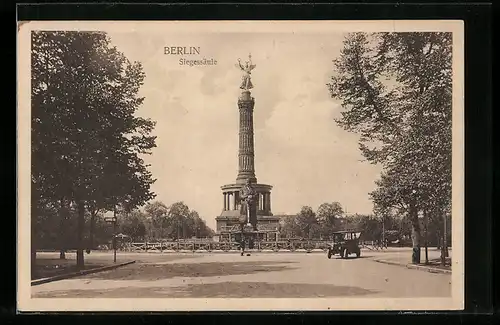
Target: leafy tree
[(133, 224), (87, 141), (204, 230), (396, 92), (157, 214), (327, 215), (289, 227), (177, 220), (306, 219), (197, 226), (315, 231)]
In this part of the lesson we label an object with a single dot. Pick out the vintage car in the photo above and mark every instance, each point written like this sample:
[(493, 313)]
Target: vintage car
[(345, 243)]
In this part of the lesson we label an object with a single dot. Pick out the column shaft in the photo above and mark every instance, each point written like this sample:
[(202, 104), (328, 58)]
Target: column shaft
[(246, 168)]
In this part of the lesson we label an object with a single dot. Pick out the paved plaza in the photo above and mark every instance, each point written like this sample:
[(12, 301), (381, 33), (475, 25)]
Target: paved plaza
[(266, 275)]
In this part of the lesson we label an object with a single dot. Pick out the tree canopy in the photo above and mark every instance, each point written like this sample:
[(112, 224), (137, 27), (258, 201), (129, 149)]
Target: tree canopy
[(87, 141), (395, 91)]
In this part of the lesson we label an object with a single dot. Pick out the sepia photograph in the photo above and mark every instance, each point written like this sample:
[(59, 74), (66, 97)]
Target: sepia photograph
[(240, 165)]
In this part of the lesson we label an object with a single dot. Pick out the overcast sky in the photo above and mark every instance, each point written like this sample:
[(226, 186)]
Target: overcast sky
[(299, 149)]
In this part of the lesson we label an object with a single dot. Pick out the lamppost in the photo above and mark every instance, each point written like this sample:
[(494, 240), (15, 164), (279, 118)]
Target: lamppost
[(113, 220), (444, 248), (149, 236), (383, 231), (423, 216), (445, 240), (415, 228), (178, 229), (162, 220)]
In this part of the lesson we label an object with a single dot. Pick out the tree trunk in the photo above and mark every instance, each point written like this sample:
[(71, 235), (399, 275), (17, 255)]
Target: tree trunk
[(34, 217), (91, 231), (443, 253), (81, 225), (445, 237), (415, 234), (426, 241), (62, 232)]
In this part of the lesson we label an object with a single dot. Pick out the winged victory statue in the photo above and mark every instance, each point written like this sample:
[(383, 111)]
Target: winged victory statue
[(246, 82)]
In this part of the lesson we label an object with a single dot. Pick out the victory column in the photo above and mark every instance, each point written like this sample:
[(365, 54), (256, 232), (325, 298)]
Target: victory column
[(247, 204)]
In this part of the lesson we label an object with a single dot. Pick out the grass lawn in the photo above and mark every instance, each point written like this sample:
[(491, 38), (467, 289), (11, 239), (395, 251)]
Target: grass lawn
[(47, 267)]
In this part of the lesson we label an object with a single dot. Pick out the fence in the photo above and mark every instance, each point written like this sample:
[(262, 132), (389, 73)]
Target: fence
[(200, 245), (194, 246)]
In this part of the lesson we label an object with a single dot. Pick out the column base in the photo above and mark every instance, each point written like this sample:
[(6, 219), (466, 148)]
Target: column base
[(242, 179)]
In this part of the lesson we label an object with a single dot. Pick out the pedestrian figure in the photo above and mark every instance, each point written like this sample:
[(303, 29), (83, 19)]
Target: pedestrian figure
[(242, 246)]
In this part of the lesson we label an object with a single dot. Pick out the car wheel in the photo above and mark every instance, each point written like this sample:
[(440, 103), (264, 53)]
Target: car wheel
[(329, 254), (346, 253), (358, 253)]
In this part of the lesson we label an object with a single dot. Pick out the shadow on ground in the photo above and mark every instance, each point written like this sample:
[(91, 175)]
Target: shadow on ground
[(152, 272), (219, 290), (266, 290)]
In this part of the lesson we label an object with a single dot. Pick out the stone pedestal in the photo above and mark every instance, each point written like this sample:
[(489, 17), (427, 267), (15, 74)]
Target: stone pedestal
[(232, 206)]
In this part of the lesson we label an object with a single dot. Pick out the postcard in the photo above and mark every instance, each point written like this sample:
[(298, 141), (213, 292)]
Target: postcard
[(240, 165)]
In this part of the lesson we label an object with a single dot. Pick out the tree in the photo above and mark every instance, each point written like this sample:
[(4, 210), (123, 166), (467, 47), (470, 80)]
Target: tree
[(133, 224), (315, 231), (197, 227), (157, 214), (306, 219), (289, 227), (396, 91), (87, 141), (177, 221), (205, 231), (327, 215)]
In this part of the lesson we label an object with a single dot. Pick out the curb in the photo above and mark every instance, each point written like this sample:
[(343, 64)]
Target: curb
[(79, 273), (415, 267), (388, 262), (427, 268)]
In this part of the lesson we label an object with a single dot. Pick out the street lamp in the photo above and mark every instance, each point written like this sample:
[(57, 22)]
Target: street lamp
[(149, 236), (113, 220), (423, 216), (383, 231), (444, 248), (415, 233), (162, 220)]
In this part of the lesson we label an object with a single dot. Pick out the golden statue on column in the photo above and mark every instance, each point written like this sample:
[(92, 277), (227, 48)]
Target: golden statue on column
[(246, 82)]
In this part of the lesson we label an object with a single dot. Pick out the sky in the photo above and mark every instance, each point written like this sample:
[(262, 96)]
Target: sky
[(299, 149)]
